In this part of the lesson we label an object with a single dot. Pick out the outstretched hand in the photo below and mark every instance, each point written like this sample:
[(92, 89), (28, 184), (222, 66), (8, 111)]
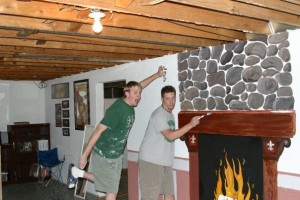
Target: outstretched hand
[(195, 121), (161, 71)]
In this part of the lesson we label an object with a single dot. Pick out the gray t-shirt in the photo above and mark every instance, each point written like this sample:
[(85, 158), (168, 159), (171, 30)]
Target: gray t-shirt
[(155, 148)]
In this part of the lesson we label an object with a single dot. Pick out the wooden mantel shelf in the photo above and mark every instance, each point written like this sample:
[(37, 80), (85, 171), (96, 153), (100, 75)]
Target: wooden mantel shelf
[(275, 127), (246, 123)]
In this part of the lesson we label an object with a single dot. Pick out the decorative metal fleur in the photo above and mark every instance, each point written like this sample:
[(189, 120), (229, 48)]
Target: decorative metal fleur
[(270, 145), (193, 139)]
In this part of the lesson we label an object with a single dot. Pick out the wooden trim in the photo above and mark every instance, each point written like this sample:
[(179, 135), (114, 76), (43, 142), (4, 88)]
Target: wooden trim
[(244, 123), (270, 180), (194, 172)]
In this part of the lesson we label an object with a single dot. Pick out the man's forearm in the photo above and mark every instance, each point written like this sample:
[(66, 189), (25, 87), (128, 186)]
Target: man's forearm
[(161, 72), (172, 135), (144, 83), (92, 141), (88, 149)]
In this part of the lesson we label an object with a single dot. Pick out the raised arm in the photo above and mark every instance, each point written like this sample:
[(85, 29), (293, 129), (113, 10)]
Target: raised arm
[(92, 141), (161, 71)]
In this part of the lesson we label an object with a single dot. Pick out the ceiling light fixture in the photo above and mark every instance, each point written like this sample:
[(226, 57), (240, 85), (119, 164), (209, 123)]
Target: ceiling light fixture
[(96, 14)]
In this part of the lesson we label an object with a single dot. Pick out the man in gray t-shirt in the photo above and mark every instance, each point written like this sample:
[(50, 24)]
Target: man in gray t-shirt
[(157, 149)]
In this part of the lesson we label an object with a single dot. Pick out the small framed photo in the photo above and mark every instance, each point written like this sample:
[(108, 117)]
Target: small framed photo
[(65, 104), (66, 132), (66, 123), (65, 114)]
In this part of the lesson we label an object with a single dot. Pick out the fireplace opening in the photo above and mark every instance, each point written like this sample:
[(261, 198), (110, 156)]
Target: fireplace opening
[(230, 167)]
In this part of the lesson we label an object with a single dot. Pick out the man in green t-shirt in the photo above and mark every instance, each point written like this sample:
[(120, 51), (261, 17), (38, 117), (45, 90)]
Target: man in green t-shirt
[(108, 140)]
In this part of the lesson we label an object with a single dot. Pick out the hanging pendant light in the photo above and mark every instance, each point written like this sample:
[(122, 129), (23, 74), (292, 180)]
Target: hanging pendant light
[(96, 14)]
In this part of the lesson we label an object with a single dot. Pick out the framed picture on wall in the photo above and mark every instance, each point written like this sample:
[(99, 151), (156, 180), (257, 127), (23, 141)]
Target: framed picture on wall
[(66, 132), (65, 114), (58, 118), (65, 104), (59, 91), (66, 123), (81, 104)]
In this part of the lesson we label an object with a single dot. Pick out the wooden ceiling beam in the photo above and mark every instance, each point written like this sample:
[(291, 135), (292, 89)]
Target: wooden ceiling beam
[(169, 26), (121, 20), (2, 54), (56, 65), (113, 33), (84, 39), (18, 74), (76, 53), (78, 46), (94, 63), (40, 69), (278, 5), (247, 9), (183, 13), (297, 2), (20, 77)]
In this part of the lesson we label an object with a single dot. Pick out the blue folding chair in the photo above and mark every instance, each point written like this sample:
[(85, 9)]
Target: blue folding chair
[(47, 160)]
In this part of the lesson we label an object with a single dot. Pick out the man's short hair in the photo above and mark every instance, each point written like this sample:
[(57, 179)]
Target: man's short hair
[(130, 85), (167, 89)]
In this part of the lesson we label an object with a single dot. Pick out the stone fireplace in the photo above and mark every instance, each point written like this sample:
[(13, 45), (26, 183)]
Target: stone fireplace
[(246, 86), (272, 130)]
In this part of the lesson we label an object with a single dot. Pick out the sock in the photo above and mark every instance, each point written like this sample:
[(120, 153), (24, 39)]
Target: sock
[(76, 172)]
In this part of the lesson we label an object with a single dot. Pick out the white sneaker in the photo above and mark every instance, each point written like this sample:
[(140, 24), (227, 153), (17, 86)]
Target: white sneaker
[(71, 180), (76, 172), (73, 175)]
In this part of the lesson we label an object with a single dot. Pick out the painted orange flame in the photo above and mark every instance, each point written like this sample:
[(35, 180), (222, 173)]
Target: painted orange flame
[(233, 182)]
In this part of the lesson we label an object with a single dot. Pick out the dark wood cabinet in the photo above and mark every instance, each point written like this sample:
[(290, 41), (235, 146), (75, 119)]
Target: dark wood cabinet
[(24, 140)]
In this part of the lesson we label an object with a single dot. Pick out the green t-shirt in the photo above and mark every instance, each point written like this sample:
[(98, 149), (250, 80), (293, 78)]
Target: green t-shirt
[(119, 119)]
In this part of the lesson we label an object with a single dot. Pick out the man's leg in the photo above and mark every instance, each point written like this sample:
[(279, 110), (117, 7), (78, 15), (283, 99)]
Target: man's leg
[(111, 196), (169, 197), (150, 176), (168, 184), (89, 176), (107, 177)]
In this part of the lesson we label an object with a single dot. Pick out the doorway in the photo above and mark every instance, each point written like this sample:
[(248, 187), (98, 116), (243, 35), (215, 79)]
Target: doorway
[(113, 91)]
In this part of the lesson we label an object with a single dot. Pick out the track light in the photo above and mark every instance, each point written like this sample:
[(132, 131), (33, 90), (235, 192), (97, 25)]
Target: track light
[(96, 14)]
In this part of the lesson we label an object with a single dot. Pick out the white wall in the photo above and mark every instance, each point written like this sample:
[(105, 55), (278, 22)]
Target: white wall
[(21, 101), (290, 159), (71, 146)]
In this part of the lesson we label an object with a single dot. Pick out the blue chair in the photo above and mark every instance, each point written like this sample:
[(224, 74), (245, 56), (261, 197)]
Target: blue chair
[(49, 166)]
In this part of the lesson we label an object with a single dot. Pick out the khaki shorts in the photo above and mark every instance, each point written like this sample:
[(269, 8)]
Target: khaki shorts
[(155, 180), (107, 173)]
